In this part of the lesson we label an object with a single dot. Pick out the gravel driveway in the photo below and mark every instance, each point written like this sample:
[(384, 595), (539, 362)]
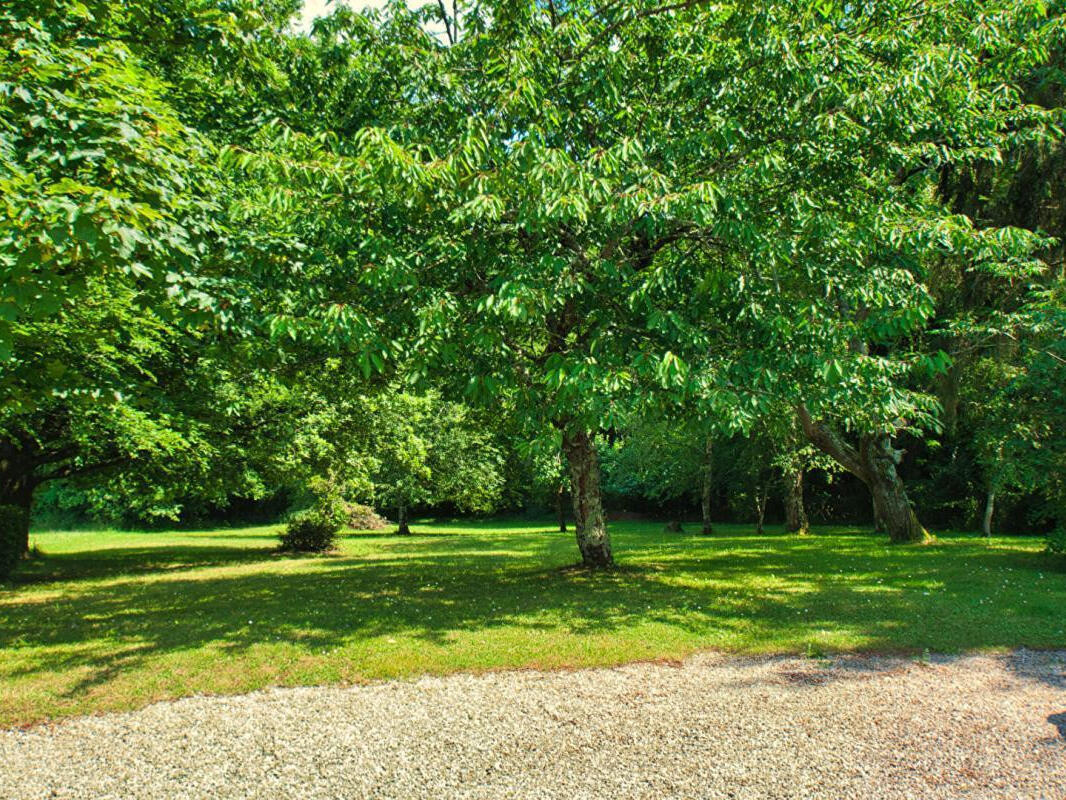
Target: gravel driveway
[(713, 727)]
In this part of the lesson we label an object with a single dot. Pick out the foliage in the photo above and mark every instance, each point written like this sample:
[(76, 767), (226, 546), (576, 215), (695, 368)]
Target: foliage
[(573, 210), (112, 239), (517, 212), (313, 530), (1002, 395), (189, 430), (1056, 541), (535, 472), (430, 452), (101, 181), (650, 223), (1035, 450), (661, 460)]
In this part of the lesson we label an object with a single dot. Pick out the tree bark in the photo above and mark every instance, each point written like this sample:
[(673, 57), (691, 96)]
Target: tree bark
[(593, 540), (795, 513), (874, 463), (760, 510), (890, 496), (990, 509), (560, 506), (402, 526), (705, 489), (880, 525), (17, 486)]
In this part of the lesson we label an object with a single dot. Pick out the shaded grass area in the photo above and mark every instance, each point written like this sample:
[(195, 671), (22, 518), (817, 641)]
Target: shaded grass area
[(109, 620)]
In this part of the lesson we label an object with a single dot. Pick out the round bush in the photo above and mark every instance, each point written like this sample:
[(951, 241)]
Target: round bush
[(311, 531), (14, 538)]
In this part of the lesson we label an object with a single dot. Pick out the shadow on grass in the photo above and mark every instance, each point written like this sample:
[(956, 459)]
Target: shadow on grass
[(754, 593), (113, 562)]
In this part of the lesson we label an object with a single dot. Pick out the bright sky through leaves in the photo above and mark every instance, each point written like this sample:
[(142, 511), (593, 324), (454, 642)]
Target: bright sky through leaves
[(320, 8)]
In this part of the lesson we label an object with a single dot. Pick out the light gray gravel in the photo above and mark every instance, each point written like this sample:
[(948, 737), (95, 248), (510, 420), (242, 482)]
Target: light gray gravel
[(713, 727)]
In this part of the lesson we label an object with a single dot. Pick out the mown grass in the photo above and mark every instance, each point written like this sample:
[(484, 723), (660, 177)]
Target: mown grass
[(108, 620)]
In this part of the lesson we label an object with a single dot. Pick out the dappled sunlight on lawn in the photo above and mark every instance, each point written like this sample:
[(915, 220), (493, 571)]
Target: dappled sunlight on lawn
[(114, 619)]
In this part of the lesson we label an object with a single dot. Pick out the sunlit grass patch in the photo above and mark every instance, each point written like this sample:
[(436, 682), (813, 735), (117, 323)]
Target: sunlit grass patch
[(109, 620)]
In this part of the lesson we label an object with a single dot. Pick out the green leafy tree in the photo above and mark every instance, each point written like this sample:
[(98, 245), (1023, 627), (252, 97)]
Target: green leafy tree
[(665, 460), (1002, 329), (101, 182), (113, 239), (573, 207), (430, 452)]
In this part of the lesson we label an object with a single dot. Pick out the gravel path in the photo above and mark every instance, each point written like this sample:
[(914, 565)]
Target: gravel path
[(713, 727)]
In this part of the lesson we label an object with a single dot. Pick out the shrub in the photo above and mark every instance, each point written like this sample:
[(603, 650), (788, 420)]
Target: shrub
[(14, 538), (1056, 541), (312, 531), (363, 518)]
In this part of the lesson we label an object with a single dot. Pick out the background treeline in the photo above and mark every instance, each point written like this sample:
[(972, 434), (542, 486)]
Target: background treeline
[(494, 471), (789, 262)]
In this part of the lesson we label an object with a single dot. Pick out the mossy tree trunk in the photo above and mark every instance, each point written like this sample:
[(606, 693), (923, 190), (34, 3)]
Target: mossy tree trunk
[(590, 523), (403, 527), (890, 496), (874, 462), (795, 513)]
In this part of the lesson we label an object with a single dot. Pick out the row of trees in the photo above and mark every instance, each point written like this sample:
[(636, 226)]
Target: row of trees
[(235, 256)]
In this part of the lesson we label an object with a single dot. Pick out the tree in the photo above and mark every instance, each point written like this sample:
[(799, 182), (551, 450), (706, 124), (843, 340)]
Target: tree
[(554, 182), (103, 352), (542, 469), (664, 460), (430, 452), (795, 457), (1002, 395), (113, 240), (101, 181), (873, 462)]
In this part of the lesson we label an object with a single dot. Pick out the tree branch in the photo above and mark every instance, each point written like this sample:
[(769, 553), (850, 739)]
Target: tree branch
[(831, 443), (642, 14), (444, 19)]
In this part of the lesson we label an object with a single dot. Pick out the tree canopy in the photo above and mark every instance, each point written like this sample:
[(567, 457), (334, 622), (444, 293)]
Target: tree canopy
[(766, 221), (725, 206)]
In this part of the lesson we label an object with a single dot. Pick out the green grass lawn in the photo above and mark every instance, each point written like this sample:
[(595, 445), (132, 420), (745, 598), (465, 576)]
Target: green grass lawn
[(109, 620)]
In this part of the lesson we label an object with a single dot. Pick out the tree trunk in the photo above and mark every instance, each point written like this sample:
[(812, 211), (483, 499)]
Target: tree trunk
[(16, 489), (589, 520), (560, 506), (24, 501), (947, 389), (402, 527), (795, 513), (990, 509), (880, 526), (874, 463), (890, 497), (760, 510), (705, 489)]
